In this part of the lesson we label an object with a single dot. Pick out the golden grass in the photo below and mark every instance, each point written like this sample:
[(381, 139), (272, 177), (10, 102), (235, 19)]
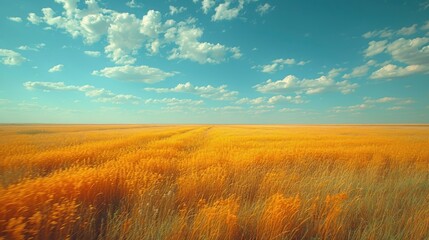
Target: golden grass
[(214, 182)]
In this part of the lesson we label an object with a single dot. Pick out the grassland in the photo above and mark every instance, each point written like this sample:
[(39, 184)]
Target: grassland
[(214, 182)]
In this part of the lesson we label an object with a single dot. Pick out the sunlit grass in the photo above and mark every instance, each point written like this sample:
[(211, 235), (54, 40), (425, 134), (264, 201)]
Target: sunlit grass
[(214, 182)]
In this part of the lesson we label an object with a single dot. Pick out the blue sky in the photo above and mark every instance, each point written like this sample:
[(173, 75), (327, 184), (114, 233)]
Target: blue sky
[(214, 61)]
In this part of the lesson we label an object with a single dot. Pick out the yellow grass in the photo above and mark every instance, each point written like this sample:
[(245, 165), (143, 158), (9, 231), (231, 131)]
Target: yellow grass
[(214, 182)]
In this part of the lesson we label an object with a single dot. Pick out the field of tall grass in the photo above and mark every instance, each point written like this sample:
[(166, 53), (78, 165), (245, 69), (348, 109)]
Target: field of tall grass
[(214, 182)]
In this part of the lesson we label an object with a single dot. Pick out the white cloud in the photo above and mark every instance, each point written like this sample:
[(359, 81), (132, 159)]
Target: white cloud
[(224, 11), (93, 27), (216, 93), (398, 101), (189, 47), (394, 71), (133, 4), (279, 64), (48, 86), (227, 109), (374, 102), (307, 86), (98, 94), (118, 98), (395, 108), (174, 101), (387, 33), (15, 19), (90, 23), (124, 38), (9, 57), (252, 101), (263, 102), (413, 54), (142, 73), (70, 25), (176, 10), (126, 34), (262, 9), (290, 110), (410, 51), (34, 19), (35, 48), (352, 108), (405, 31), (56, 68), (92, 53), (280, 98), (375, 47), (360, 71), (207, 4)]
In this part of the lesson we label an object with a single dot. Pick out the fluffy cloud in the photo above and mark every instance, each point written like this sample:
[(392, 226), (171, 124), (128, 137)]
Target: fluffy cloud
[(134, 73), (92, 53), (126, 34), (9, 57), (230, 9), (124, 38), (375, 102), (252, 101), (387, 33), (398, 101), (224, 11), (227, 109), (278, 64), (35, 48), (176, 10), (264, 102), (216, 93), (352, 108), (410, 51), (395, 108), (290, 110), (15, 19), (56, 68), (189, 47), (375, 47), (280, 98), (98, 94), (360, 71), (133, 4), (307, 86), (410, 56), (405, 31), (34, 19), (94, 26), (174, 101), (263, 9), (394, 71), (206, 5), (50, 86)]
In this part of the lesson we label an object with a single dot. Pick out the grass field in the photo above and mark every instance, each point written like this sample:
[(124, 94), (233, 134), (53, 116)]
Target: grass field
[(214, 182)]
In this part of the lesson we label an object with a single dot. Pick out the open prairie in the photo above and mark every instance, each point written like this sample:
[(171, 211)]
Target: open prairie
[(214, 182)]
